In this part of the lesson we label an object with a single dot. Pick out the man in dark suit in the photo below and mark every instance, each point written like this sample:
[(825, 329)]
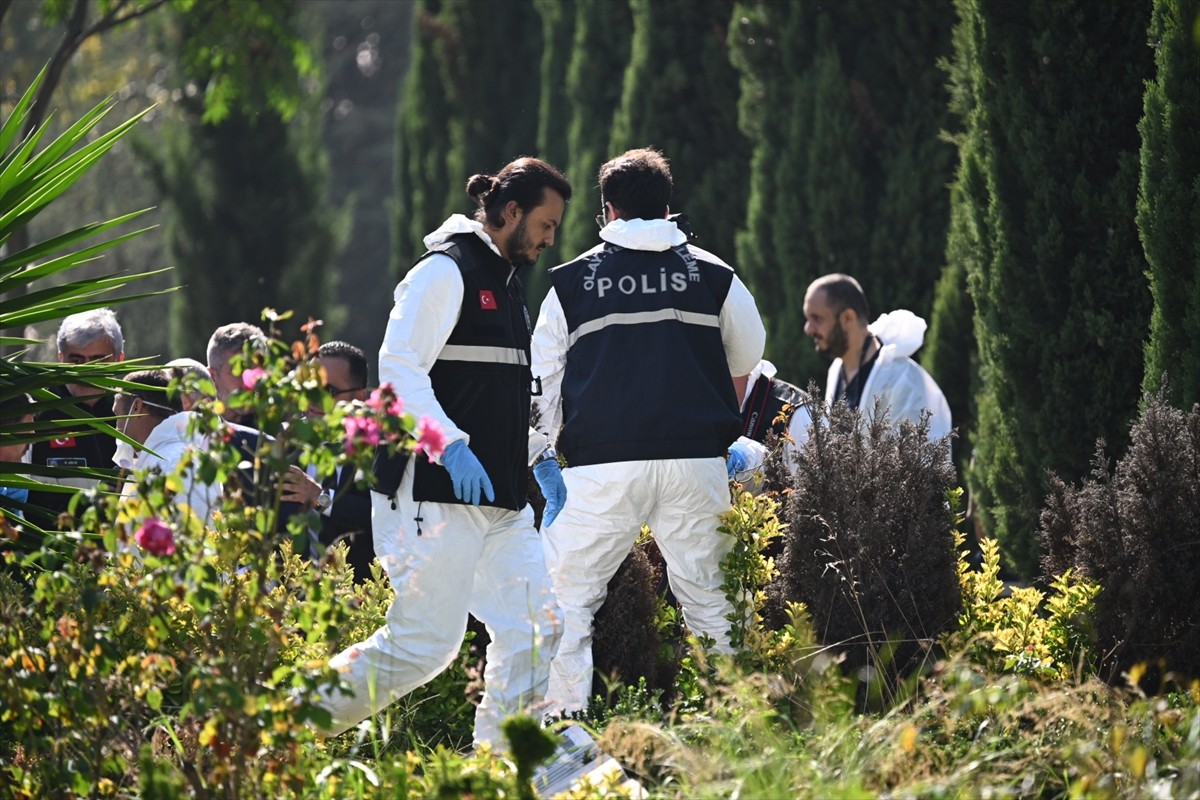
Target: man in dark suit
[(345, 507)]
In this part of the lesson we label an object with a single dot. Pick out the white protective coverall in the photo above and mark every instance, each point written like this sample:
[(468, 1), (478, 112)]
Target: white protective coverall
[(607, 503), (447, 560), (904, 386), (174, 445), (797, 432)]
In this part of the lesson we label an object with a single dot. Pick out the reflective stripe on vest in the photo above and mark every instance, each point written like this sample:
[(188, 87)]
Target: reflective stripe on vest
[(484, 355), (642, 317)]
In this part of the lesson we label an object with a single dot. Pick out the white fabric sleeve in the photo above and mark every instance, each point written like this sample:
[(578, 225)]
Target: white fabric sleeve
[(548, 360), (426, 310), (742, 329)]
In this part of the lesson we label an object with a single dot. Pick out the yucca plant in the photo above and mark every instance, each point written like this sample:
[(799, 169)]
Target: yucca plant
[(38, 284)]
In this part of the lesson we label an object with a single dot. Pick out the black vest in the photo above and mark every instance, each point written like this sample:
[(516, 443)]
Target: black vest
[(646, 376), (481, 380), (769, 407)]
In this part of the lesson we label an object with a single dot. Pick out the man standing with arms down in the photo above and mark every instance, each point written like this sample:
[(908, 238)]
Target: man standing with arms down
[(635, 348), (871, 362), (458, 536)]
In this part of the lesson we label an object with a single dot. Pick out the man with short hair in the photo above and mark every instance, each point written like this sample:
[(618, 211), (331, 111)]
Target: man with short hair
[(155, 419), (83, 338), (635, 348), (227, 342), (871, 362), (454, 531), (344, 506)]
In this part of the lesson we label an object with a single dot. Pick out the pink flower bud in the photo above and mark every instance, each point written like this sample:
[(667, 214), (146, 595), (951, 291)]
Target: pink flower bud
[(431, 440), (252, 376), (155, 537), (361, 431)]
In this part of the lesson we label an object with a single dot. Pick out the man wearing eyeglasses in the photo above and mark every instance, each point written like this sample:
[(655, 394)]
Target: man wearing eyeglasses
[(83, 338), (345, 508), (636, 345)]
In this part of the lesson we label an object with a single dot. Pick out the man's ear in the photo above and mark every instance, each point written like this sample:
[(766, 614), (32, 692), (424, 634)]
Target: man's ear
[(848, 318), (512, 212)]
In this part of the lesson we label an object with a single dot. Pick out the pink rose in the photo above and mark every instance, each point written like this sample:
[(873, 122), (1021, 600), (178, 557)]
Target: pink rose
[(252, 376), (384, 401), (155, 537), (431, 440), (361, 431)]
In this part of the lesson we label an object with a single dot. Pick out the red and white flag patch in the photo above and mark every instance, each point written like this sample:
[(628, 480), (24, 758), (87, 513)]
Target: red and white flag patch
[(66, 441), (487, 300)]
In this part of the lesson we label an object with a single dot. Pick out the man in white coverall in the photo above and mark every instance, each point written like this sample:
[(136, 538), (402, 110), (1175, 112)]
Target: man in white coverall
[(635, 347), (458, 536), (872, 362)]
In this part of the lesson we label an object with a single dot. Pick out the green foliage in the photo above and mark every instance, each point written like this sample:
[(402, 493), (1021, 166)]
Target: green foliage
[(1052, 93), (679, 90), (35, 172), (1133, 530), (1168, 204), (422, 178), (1026, 631), (843, 105), (600, 51), (249, 216)]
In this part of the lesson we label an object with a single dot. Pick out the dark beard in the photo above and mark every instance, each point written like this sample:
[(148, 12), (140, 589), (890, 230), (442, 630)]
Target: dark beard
[(519, 245), (838, 342)]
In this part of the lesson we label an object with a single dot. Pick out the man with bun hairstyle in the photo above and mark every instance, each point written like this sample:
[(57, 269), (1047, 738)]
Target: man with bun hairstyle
[(453, 531)]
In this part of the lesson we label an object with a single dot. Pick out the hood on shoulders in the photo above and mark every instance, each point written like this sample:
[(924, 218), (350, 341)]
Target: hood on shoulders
[(655, 235), (454, 225), (901, 331)]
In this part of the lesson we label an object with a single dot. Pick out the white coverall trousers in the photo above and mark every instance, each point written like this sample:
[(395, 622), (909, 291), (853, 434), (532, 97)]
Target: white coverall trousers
[(681, 500), (482, 560)]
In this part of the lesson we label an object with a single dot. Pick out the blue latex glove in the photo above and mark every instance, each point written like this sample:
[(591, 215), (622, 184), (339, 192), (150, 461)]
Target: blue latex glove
[(738, 458), (466, 473), (549, 478)]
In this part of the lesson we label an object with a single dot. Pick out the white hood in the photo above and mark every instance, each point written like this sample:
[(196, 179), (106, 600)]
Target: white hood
[(455, 224), (902, 333), (643, 234)]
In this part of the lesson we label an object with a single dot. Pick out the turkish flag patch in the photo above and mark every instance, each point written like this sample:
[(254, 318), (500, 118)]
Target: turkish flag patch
[(487, 300), (68, 441)]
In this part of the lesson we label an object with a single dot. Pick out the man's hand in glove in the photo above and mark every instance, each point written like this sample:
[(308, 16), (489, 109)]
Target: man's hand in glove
[(467, 474), (738, 458), (549, 478)]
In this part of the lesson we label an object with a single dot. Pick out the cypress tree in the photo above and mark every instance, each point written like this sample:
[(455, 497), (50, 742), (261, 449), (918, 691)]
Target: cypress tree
[(490, 70), (1061, 305), (844, 105), (422, 179), (679, 95), (554, 118), (1168, 209), (603, 29), (249, 225)]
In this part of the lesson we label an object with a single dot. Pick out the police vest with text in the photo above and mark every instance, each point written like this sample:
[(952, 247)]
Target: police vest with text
[(646, 375)]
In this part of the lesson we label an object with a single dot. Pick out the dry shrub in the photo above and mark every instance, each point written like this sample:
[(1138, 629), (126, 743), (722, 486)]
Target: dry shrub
[(626, 643), (1135, 530), (869, 539)]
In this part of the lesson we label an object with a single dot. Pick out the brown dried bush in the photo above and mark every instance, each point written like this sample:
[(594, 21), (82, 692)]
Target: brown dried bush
[(868, 540), (1135, 530)]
